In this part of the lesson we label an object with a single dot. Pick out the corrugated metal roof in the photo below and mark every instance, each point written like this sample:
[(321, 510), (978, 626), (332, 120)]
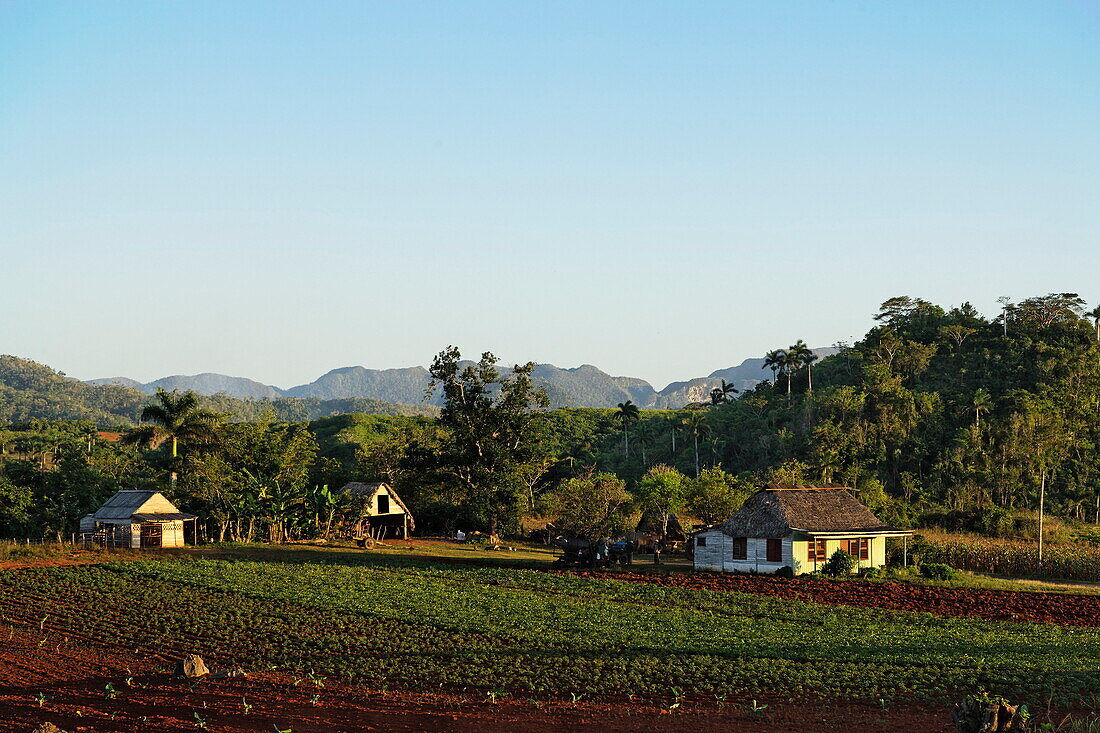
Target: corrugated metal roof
[(162, 517), (125, 504)]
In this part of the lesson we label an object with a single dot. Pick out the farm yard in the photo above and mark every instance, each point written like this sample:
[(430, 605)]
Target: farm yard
[(420, 641)]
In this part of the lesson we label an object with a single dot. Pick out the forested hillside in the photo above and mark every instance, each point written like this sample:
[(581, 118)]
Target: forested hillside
[(32, 391), (937, 416)]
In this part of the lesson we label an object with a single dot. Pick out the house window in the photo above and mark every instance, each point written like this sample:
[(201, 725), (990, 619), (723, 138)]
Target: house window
[(383, 504), (700, 541), (857, 548), (740, 548), (815, 552), (775, 550)]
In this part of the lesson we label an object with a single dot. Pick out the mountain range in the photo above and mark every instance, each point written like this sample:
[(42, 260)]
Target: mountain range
[(583, 386)]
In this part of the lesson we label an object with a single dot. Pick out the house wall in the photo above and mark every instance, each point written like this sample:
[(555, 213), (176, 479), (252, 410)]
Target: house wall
[(719, 547), (876, 553), (173, 534), (718, 554), (395, 508)]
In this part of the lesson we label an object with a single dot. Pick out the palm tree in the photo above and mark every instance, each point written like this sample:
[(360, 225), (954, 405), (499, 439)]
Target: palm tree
[(803, 357), (721, 395), (1094, 314), (775, 360), (176, 418), (792, 362), (981, 404), (628, 413), (695, 423)]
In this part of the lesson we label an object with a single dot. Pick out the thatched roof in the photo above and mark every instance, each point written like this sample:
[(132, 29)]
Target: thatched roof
[(776, 511), (139, 506), (365, 491)]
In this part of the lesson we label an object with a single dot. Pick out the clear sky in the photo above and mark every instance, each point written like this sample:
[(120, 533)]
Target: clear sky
[(272, 189)]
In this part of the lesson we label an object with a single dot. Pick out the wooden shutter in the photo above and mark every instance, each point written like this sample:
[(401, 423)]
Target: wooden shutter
[(864, 547), (815, 551), (775, 550)]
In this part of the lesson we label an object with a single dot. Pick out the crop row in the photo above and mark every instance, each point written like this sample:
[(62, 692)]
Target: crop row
[(1069, 560), (527, 630)]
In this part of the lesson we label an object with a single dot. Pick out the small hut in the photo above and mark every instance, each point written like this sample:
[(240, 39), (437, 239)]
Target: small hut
[(381, 511), (136, 519), (797, 527)]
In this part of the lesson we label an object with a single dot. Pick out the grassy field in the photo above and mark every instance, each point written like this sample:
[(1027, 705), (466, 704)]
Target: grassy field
[(393, 621)]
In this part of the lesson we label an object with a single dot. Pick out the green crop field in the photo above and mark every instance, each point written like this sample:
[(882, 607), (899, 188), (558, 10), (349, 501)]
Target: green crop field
[(525, 630)]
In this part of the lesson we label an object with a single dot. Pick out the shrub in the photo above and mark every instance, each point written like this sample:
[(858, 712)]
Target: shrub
[(872, 573), (938, 571), (785, 572), (839, 564)]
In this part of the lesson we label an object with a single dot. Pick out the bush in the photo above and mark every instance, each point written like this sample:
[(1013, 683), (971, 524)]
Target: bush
[(872, 573), (839, 564), (785, 572), (938, 571)]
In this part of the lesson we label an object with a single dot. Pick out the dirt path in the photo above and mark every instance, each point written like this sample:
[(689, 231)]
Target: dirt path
[(998, 605), (67, 684)]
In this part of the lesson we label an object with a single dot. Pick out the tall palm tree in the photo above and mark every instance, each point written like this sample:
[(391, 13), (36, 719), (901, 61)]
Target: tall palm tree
[(1094, 314), (774, 360), (803, 356), (980, 404), (176, 418), (792, 362), (628, 413), (695, 423)]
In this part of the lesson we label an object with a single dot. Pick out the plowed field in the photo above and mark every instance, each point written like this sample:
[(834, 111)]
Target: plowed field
[(1065, 609)]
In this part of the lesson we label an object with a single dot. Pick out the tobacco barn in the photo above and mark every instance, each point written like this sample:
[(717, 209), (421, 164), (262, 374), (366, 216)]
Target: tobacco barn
[(136, 519), (797, 527), (381, 512)]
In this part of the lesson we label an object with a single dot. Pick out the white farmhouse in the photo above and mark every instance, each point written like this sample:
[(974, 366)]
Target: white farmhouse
[(797, 527)]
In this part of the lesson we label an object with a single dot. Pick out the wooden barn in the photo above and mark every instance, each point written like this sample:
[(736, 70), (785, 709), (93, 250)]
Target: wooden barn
[(797, 527), (381, 512), (136, 519)]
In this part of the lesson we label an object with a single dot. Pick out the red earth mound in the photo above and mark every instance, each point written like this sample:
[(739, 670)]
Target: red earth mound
[(997, 605)]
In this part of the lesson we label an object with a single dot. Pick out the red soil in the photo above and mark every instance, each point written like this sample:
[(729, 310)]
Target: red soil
[(74, 677), (997, 605)]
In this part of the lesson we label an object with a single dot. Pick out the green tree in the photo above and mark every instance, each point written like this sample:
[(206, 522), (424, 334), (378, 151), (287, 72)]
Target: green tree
[(628, 413), (695, 423), (714, 495), (493, 433), (662, 490), (591, 506), (175, 419)]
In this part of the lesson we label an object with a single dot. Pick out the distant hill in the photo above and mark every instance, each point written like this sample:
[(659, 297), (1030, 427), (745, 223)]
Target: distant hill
[(33, 391), (582, 386)]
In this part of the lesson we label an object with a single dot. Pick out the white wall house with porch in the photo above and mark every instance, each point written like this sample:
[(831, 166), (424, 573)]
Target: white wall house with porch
[(798, 527), (136, 519)]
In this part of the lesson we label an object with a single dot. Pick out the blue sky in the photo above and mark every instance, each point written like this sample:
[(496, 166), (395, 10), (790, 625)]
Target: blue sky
[(661, 189)]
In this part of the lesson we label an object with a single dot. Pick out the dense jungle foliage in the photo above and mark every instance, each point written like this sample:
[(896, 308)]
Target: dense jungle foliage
[(937, 416)]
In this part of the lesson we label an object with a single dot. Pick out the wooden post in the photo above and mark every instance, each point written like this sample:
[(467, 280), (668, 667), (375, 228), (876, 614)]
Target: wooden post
[(1042, 496), (905, 551)]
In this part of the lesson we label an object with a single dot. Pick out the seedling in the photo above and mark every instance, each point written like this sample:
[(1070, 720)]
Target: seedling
[(280, 730), (317, 680), (316, 699), (40, 699), (756, 709), (245, 706), (200, 722), (110, 692)]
